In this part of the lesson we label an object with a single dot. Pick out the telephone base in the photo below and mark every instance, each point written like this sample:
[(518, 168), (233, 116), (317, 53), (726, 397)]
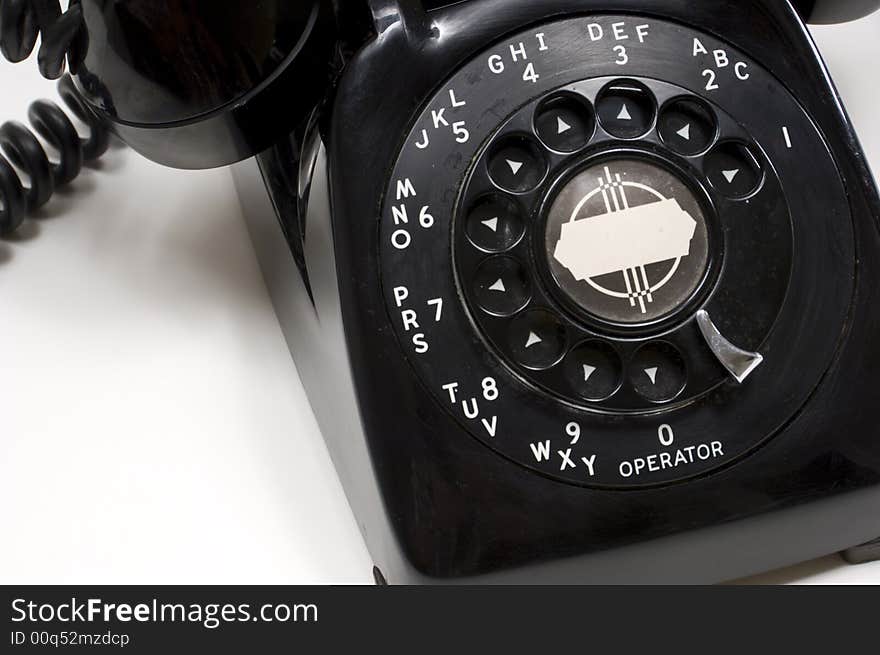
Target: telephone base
[(869, 552), (435, 498)]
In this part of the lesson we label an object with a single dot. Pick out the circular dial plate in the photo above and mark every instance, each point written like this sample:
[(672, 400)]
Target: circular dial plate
[(582, 71), (627, 239)]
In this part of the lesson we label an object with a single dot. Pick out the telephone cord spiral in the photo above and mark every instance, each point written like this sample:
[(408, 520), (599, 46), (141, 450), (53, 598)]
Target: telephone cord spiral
[(21, 22)]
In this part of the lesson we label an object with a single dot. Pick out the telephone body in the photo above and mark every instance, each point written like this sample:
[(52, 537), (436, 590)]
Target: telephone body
[(581, 292)]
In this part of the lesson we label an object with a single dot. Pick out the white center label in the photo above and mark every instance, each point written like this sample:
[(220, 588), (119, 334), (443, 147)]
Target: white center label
[(627, 240)]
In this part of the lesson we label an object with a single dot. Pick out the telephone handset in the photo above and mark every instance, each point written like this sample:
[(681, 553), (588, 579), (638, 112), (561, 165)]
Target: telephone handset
[(580, 291)]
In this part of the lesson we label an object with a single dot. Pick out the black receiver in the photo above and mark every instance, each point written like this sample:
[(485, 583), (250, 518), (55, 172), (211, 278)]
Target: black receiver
[(581, 291)]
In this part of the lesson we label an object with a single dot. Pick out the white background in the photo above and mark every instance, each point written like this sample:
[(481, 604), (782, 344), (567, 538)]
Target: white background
[(152, 425)]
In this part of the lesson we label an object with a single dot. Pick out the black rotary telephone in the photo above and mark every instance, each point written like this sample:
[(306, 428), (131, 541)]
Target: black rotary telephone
[(580, 291)]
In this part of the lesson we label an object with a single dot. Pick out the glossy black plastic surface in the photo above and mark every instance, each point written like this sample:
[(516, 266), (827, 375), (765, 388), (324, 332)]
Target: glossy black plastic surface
[(813, 11), (457, 509), (835, 11), (197, 83), (435, 504), (763, 250)]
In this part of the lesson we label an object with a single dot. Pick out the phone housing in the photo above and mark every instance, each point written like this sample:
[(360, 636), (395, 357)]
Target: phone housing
[(437, 504)]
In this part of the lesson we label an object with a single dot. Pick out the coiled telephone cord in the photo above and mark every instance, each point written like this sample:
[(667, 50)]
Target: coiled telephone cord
[(21, 22)]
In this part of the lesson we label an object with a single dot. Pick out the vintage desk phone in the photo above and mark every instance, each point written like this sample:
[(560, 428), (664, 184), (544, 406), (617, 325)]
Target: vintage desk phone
[(581, 290)]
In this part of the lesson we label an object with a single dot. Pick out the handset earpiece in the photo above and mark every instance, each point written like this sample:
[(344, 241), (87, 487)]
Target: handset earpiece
[(187, 83), (820, 12), (196, 84)]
